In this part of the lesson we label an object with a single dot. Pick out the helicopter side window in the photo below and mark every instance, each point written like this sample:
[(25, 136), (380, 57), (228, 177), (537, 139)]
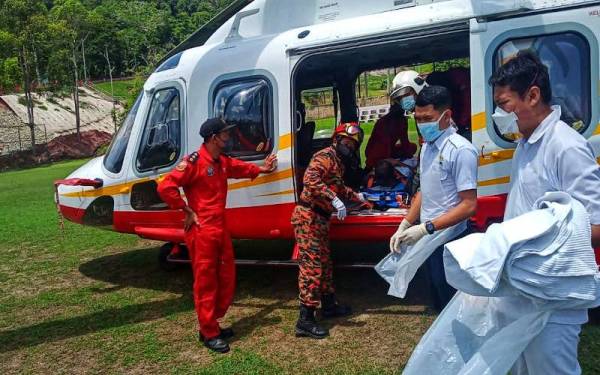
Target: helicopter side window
[(248, 105), (567, 56), (161, 140)]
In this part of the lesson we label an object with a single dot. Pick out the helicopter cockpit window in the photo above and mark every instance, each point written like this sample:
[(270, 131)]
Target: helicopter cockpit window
[(248, 105), (161, 140), (113, 160), (567, 56), (171, 63)]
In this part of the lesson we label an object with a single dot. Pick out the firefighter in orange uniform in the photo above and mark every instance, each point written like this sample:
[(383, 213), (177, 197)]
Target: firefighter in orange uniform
[(323, 192), (203, 176)]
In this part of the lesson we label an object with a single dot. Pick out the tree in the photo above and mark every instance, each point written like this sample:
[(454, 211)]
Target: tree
[(70, 29), (112, 89), (10, 74), (21, 21)]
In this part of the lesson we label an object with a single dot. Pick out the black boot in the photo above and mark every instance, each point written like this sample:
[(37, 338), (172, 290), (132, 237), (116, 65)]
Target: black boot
[(331, 309), (216, 344), (226, 333), (307, 325)]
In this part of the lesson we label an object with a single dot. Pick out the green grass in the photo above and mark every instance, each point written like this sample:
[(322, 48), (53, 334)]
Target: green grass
[(377, 85), (122, 88), (92, 301), (329, 122)]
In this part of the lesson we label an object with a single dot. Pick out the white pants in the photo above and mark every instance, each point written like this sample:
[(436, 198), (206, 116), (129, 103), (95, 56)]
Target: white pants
[(553, 351)]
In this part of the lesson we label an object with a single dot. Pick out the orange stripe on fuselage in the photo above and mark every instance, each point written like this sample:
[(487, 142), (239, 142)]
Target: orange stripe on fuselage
[(496, 157), (478, 121), (285, 192), (264, 179), (285, 142), (116, 189), (494, 181)]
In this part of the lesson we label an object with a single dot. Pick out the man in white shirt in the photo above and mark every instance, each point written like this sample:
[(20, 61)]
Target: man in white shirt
[(448, 192), (550, 156)]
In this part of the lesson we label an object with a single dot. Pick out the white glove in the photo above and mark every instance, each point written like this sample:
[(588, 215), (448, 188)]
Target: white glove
[(394, 241), (340, 207), (413, 234), (362, 197)]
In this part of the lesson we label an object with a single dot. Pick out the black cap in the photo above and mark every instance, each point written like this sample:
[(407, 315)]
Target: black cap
[(214, 126)]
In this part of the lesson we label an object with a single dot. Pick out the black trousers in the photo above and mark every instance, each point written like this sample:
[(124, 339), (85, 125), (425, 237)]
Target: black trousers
[(441, 291)]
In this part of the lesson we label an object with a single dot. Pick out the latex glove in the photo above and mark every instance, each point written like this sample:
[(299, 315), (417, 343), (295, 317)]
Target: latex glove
[(394, 241), (413, 234), (340, 207)]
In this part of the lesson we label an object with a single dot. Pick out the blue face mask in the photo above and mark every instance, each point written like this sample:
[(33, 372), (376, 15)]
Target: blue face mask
[(431, 130), (408, 103)]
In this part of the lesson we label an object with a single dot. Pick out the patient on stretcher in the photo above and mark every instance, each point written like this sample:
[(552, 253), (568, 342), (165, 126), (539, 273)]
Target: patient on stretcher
[(389, 184)]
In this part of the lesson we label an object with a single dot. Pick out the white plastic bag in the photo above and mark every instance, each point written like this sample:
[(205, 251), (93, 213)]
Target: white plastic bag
[(398, 269), (477, 335)]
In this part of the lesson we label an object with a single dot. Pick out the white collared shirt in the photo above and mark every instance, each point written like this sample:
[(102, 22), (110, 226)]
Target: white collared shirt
[(448, 166), (555, 158)]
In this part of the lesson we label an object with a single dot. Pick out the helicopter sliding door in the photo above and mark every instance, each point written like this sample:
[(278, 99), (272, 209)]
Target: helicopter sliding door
[(159, 146)]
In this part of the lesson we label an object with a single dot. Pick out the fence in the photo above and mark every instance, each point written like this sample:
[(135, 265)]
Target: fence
[(18, 138), (326, 111)]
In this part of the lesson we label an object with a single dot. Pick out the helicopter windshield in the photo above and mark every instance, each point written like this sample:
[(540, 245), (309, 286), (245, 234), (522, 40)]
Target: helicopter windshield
[(113, 160)]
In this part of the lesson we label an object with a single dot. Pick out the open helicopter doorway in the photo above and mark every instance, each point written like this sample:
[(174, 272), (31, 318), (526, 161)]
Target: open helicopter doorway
[(351, 82)]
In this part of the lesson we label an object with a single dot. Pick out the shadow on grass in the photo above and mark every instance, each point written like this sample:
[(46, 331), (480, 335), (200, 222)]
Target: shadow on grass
[(81, 325), (269, 289)]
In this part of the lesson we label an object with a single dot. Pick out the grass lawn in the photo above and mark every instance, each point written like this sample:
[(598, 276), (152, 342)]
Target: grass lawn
[(91, 301), (121, 88)]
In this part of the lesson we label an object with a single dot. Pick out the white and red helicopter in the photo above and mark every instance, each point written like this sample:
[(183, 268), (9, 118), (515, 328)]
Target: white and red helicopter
[(251, 65)]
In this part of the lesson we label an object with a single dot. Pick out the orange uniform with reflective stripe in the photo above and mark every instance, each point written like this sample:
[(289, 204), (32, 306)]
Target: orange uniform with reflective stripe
[(324, 180)]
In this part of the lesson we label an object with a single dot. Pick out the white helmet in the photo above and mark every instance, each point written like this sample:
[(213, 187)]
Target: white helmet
[(405, 80)]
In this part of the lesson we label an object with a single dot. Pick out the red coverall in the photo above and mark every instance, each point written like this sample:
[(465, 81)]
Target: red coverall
[(388, 130), (204, 182)]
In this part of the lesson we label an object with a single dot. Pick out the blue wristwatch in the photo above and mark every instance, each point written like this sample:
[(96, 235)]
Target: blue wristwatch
[(429, 227)]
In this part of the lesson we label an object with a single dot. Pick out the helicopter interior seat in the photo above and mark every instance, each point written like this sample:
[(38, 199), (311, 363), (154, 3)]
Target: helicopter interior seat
[(305, 136), (304, 152)]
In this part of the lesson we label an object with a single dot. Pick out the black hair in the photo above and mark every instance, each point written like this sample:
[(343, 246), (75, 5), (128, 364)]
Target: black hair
[(437, 96), (383, 168), (384, 172), (522, 72)]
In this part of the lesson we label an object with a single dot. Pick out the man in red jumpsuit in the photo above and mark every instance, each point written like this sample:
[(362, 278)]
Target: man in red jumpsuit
[(203, 176), (389, 139)]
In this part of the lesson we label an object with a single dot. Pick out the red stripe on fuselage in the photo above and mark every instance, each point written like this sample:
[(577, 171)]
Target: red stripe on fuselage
[(263, 222), (273, 221), (72, 214)]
